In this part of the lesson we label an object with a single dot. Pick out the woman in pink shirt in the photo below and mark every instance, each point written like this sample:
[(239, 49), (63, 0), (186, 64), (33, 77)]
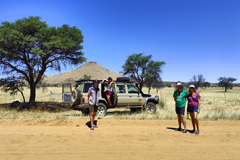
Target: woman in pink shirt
[(194, 107)]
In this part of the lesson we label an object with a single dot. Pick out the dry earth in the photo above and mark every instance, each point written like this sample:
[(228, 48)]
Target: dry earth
[(116, 139)]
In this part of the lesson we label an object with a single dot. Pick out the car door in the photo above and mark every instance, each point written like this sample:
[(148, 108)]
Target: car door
[(134, 96), (122, 96), (115, 95), (66, 92)]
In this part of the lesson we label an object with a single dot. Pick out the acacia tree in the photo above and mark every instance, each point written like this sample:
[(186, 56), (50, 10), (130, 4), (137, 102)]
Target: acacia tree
[(142, 68), (28, 47), (197, 80), (226, 82)]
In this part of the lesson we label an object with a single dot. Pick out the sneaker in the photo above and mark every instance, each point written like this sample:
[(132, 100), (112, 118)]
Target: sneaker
[(92, 128), (178, 129), (197, 132), (95, 126), (184, 131)]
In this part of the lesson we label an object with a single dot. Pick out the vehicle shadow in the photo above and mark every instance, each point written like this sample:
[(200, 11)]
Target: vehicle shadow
[(109, 113), (174, 129), (88, 124)]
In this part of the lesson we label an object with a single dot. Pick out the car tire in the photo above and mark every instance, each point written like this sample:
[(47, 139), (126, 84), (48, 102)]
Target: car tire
[(151, 107), (75, 97), (102, 109)]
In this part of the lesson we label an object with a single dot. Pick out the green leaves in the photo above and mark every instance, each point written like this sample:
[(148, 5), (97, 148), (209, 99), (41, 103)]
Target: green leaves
[(29, 47), (142, 68), (226, 82)]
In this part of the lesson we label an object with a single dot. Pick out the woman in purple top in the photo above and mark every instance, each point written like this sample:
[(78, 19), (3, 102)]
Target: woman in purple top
[(194, 107)]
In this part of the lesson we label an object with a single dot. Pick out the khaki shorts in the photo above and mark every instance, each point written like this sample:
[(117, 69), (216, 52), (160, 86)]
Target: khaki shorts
[(93, 108)]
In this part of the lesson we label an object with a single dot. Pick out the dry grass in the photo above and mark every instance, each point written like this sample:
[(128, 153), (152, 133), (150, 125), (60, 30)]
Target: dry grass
[(215, 105)]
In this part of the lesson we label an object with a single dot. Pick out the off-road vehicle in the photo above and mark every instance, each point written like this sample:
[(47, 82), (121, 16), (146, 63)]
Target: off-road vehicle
[(125, 94)]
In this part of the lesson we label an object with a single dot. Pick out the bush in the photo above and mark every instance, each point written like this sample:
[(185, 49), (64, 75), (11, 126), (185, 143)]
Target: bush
[(162, 104)]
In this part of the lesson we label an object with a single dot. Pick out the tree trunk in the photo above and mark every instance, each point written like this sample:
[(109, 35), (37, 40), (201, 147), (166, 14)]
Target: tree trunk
[(32, 93), (141, 85), (226, 89), (24, 101), (149, 88)]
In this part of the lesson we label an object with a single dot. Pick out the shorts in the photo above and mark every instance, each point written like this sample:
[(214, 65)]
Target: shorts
[(93, 108), (180, 110), (108, 93), (192, 108)]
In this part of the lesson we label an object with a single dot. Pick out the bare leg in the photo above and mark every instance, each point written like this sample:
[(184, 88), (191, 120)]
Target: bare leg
[(109, 101), (196, 120), (92, 116), (179, 121), (193, 119), (183, 121)]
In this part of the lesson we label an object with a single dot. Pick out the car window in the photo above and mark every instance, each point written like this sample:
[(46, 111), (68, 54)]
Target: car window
[(121, 89), (132, 89), (86, 87)]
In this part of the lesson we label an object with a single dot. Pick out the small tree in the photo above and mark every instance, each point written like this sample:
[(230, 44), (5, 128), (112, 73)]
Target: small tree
[(85, 76), (226, 82), (197, 81), (206, 84), (142, 68), (12, 85)]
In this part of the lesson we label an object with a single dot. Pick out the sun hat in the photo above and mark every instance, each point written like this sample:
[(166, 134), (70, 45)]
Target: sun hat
[(179, 84), (191, 86), (109, 78)]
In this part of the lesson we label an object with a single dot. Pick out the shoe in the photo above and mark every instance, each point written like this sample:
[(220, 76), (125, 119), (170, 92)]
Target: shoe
[(178, 129), (197, 132), (184, 131), (95, 126), (92, 128)]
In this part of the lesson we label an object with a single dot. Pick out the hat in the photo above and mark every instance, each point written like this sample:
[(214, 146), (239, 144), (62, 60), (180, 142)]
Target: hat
[(191, 86), (95, 81), (109, 78), (179, 84)]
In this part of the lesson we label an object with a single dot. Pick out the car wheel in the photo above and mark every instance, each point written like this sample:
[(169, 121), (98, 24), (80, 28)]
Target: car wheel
[(75, 97), (102, 110), (150, 107)]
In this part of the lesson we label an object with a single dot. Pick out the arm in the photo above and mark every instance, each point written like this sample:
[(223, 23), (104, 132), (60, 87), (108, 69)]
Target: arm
[(112, 83), (175, 99), (198, 105), (103, 81), (88, 97)]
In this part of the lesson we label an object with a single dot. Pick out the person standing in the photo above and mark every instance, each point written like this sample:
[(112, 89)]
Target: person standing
[(180, 96), (93, 96), (194, 107), (109, 90)]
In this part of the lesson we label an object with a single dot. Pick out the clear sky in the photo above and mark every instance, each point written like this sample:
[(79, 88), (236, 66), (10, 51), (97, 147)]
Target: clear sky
[(191, 36)]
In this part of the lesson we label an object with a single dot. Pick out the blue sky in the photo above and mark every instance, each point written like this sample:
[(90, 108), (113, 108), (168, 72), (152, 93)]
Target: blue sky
[(191, 36)]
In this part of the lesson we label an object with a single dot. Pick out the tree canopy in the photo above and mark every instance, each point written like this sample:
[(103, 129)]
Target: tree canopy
[(226, 82), (28, 47), (197, 81), (142, 69)]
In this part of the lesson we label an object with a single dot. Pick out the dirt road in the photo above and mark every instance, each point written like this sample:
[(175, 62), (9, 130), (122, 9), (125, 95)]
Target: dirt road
[(116, 139)]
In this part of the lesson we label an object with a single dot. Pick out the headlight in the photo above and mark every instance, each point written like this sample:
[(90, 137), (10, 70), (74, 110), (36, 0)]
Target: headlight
[(157, 98)]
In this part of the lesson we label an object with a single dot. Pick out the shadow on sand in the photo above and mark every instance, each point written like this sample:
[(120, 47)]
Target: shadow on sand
[(88, 124), (174, 129)]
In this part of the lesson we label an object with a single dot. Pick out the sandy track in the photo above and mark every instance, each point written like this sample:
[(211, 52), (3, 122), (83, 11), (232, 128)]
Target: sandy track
[(116, 139)]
